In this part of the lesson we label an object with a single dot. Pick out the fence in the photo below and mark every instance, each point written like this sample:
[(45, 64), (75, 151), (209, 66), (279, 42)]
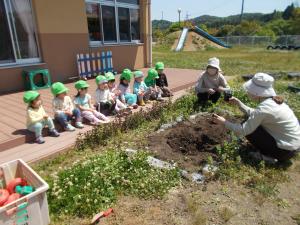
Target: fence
[(262, 40)]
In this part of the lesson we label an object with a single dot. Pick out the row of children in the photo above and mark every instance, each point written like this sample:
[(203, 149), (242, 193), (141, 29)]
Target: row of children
[(110, 100)]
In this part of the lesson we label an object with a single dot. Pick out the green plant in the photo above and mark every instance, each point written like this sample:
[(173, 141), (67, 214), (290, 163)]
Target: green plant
[(94, 184)]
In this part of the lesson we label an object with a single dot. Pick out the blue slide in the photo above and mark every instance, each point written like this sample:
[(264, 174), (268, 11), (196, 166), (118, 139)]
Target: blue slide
[(210, 37), (182, 39)]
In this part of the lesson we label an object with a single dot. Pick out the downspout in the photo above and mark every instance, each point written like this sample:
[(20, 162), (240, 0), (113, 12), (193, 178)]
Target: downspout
[(149, 36)]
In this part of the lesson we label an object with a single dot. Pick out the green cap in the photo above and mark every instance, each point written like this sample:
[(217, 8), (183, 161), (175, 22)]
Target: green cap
[(110, 76), (126, 75), (159, 66), (153, 74), (138, 74), (81, 84), (58, 88), (101, 79), (30, 96)]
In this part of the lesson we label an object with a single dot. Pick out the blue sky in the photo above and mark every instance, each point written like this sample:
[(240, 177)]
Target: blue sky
[(214, 7)]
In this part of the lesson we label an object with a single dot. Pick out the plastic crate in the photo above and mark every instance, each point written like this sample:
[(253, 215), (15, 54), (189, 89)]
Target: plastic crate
[(31, 209)]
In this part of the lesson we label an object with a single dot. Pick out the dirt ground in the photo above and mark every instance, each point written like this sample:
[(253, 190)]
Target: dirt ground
[(196, 42), (213, 204), (190, 143)]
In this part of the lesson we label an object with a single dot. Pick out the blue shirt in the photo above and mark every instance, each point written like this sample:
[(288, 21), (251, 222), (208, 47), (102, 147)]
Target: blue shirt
[(137, 87)]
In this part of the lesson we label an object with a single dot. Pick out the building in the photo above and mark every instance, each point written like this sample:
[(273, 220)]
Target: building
[(49, 34)]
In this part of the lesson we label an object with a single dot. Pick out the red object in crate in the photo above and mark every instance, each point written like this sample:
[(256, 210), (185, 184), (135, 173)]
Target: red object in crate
[(4, 194), (15, 182), (13, 197)]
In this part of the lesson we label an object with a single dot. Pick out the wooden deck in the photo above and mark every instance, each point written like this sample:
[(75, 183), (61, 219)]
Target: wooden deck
[(17, 142)]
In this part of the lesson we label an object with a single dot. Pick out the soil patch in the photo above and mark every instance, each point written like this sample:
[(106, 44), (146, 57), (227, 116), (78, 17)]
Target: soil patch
[(190, 142)]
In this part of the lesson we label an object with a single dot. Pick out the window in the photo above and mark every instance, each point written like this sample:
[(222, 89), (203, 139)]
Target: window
[(109, 23), (134, 2), (93, 17), (113, 21), (135, 24), (124, 24), (6, 49), (17, 31)]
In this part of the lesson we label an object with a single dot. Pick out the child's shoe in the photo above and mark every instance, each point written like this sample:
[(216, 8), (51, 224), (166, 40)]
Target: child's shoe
[(40, 140), (141, 103), (54, 133), (69, 128), (79, 125)]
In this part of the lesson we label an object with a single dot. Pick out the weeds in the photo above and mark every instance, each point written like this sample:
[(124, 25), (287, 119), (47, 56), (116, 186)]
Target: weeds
[(94, 184)]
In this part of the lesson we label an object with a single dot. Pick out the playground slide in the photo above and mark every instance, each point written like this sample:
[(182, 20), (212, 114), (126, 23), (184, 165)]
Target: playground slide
[(210, 37), (182, 39)]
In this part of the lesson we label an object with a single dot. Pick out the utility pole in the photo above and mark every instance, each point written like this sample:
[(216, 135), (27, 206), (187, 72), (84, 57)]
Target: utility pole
[(242, 11), (179, 12), (187, 16), (162, 15)]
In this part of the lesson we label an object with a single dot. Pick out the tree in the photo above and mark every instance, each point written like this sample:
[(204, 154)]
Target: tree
[(288, 12), (226, 30), (279, 26), (295, 22), (247, 28)]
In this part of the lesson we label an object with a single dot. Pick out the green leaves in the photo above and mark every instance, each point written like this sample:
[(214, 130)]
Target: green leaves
[(94, 184)]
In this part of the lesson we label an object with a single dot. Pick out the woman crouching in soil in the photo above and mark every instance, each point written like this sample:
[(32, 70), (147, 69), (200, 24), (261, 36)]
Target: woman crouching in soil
[(272, 128)]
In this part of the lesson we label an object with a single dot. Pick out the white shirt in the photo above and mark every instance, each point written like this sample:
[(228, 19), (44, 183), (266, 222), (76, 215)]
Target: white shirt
[(62, 105), (103, 95), (278, 120)]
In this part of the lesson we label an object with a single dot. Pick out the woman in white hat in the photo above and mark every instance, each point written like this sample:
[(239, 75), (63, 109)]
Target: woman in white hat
[(272, 128), (211, 83)]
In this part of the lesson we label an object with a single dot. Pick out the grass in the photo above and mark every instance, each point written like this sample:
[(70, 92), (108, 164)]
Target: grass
[(235, 61)]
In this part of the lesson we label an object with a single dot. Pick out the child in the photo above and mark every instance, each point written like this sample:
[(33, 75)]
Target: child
[(104, 101), (37, 118), (211, 83), (140, 88), (126, 96), (63, 107), (162, 82), (150, 82), (115, 93), (83, 102)]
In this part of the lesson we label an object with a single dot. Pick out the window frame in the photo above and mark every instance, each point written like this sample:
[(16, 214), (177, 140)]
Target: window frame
[(116, 5), (13, 37)]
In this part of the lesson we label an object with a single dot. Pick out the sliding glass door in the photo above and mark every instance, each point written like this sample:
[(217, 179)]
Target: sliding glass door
[(18, 42)]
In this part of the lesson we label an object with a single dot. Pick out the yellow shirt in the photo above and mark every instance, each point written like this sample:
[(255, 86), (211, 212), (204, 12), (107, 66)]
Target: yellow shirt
[(35, 115)]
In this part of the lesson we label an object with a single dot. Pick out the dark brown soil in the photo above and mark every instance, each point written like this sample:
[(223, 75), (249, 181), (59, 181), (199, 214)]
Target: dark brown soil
[(189, 143)]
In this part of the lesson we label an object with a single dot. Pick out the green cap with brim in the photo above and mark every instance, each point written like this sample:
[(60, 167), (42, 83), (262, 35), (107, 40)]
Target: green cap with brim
[(81, 84), (30, 96), (58, 88)]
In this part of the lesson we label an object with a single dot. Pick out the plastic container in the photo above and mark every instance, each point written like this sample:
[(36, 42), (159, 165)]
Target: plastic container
[(31, 209)]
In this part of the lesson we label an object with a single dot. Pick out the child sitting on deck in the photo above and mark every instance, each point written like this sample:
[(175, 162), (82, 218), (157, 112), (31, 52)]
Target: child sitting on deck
[(150, 81), (140, 88), (126, 96), (162, 82), (83, 101), (104, 101), (115, 93), (211, 83), (63, 108), (37, 118)]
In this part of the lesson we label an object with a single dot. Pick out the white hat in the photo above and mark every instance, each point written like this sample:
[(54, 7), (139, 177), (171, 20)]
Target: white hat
[(214, 62), (260, 85)]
